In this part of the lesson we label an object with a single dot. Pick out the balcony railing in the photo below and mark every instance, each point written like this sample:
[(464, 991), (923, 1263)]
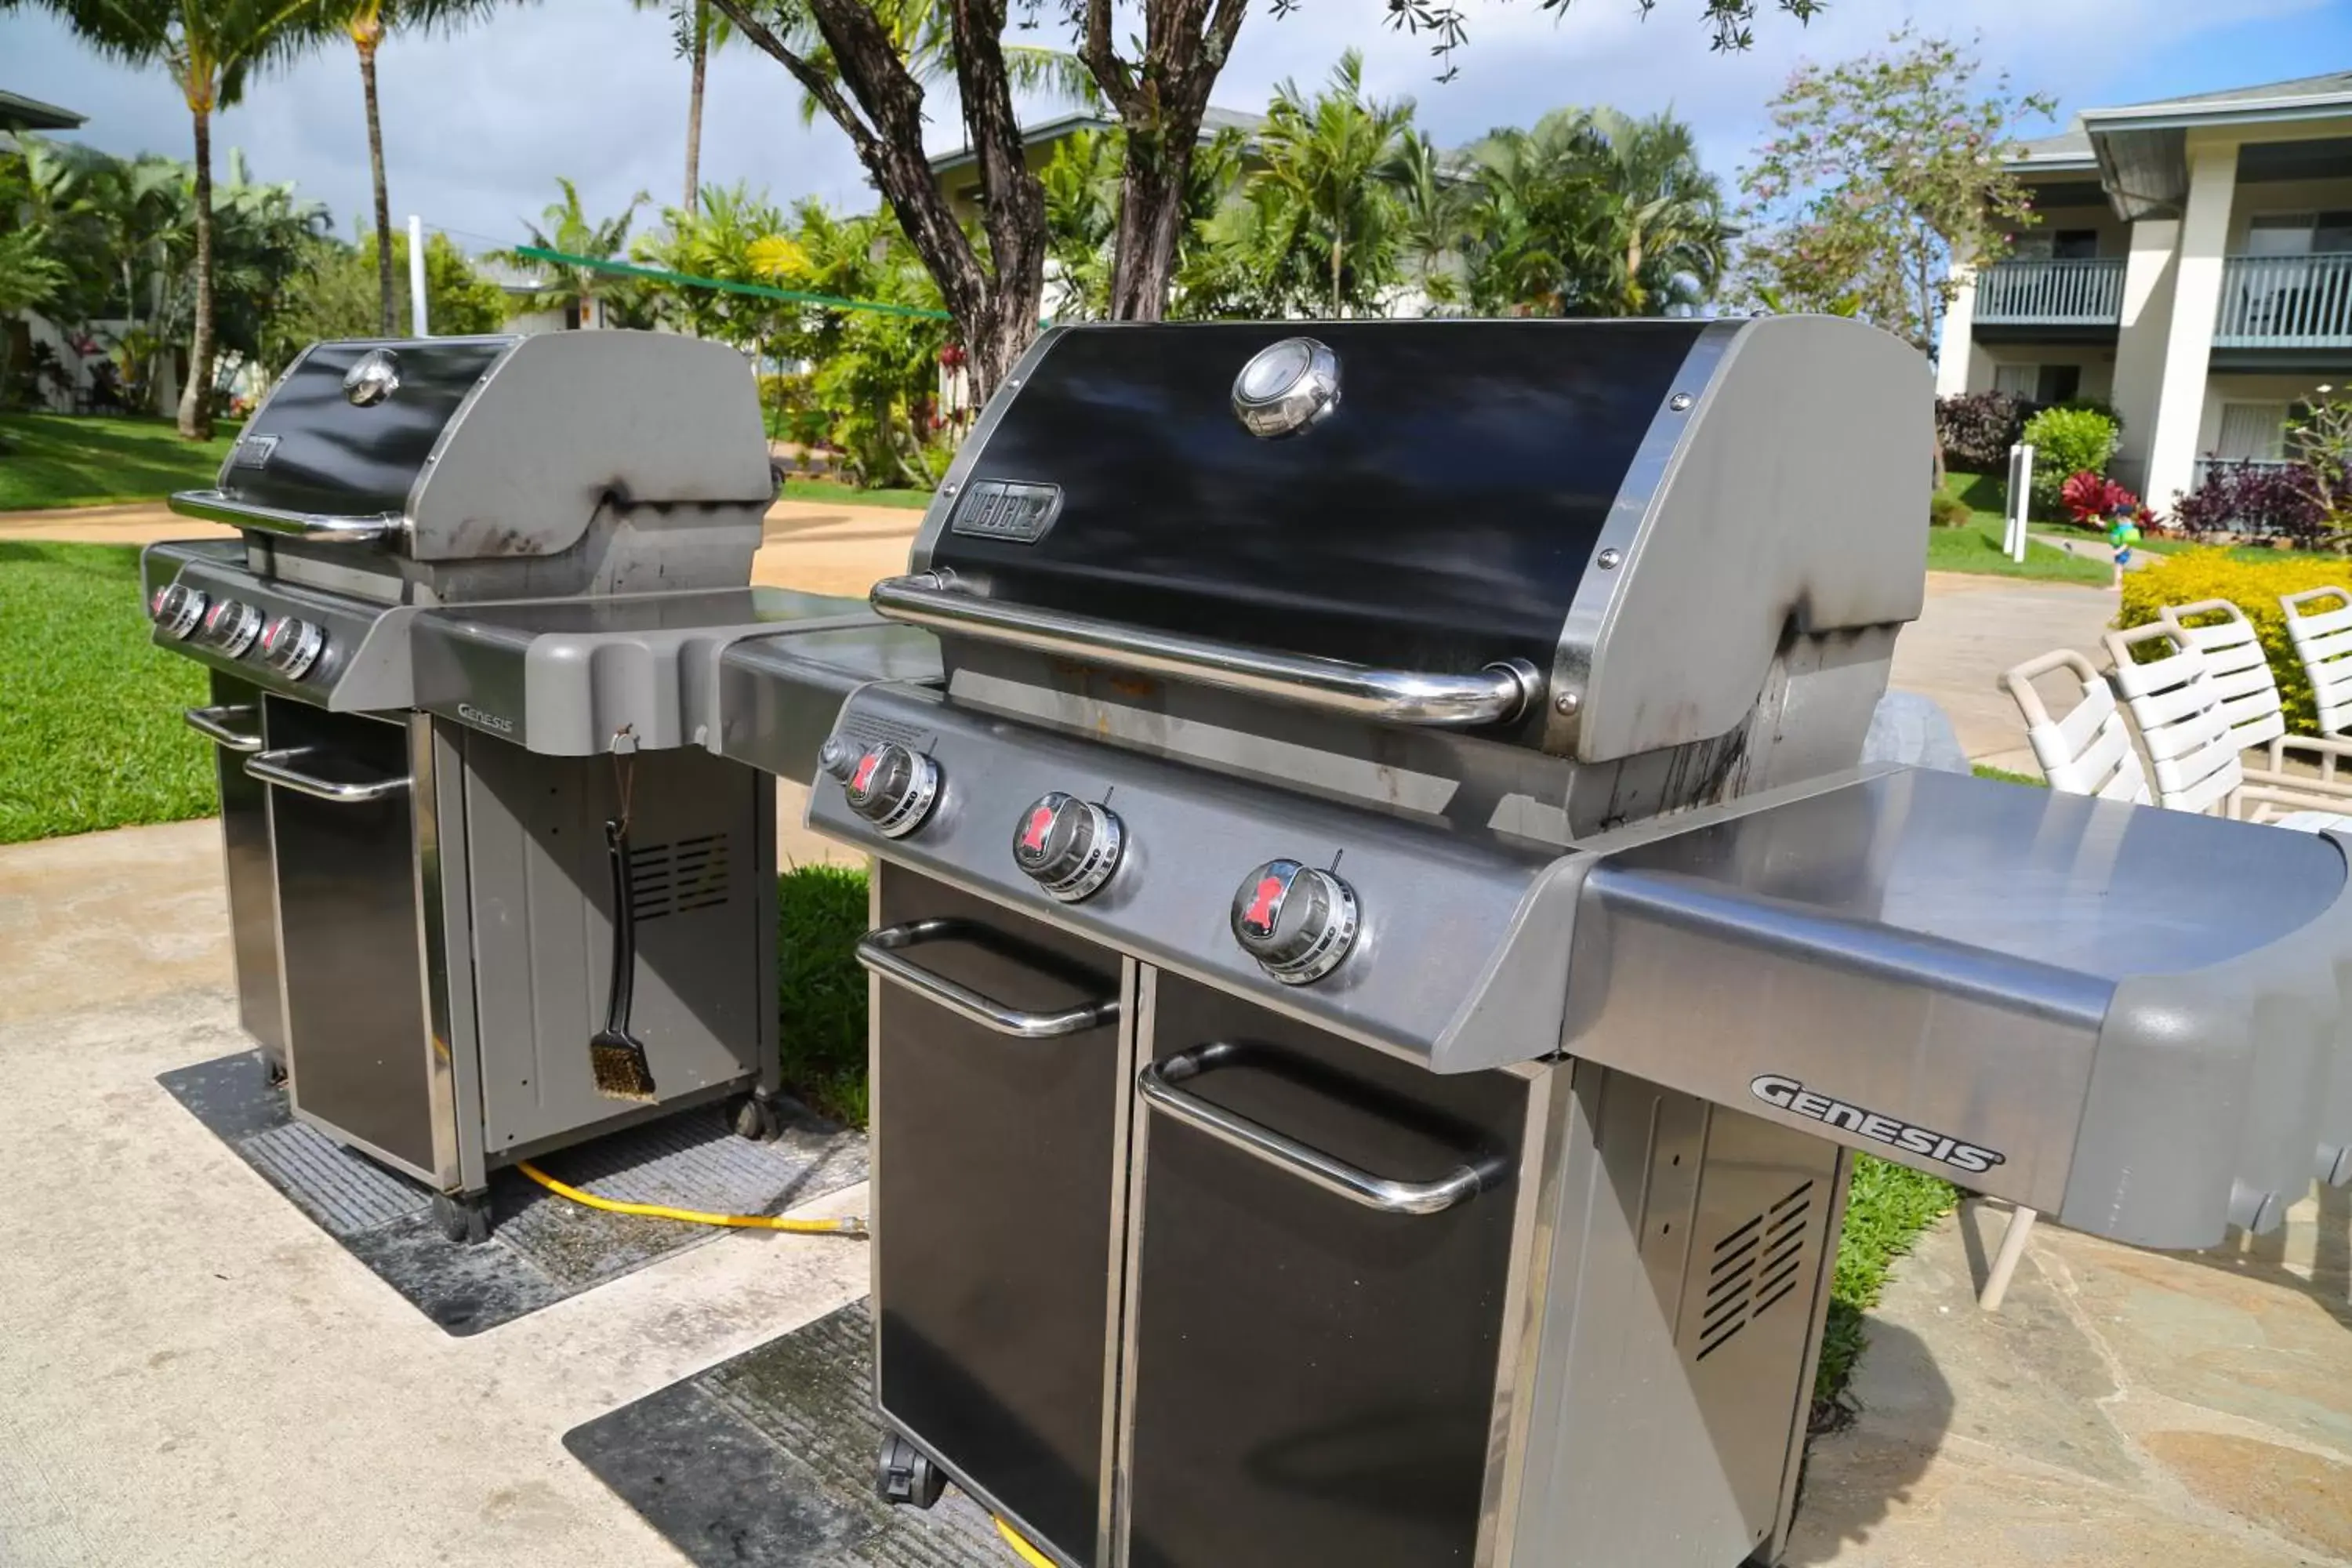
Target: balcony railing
[(2084, 292), (2285, 302), (2205, 466)]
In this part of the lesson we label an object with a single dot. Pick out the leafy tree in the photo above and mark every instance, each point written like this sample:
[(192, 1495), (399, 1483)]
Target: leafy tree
[(866, 71), (1432, 215), (1328, 213), (732, 236), (210, 47), (333, 295), (30, 275), (369, 22), (1662, 212), (1882, 174), (1081, 182), (573, 288)]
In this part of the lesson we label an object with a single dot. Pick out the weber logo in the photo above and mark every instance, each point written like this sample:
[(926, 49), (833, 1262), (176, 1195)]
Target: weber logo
[(1002, 509), (473, 715), (1791, 1095), (252, 451)]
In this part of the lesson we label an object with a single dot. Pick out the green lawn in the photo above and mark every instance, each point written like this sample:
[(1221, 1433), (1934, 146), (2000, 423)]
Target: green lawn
[(850, 495), (91, 734), (56, 459), (820, 989), (1977, 547)]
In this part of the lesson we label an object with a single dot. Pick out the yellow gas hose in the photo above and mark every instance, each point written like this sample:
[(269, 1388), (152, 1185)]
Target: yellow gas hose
[(851, 1226), (1021, 1549)]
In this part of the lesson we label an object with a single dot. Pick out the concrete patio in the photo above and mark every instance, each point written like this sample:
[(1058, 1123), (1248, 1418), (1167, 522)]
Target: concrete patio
[(196, 1374)]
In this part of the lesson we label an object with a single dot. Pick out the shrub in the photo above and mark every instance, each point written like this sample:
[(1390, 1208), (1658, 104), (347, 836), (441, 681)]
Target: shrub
[(1978, 429), (2065, 442), (2253, 586), (2091, 499), (1946, 509), (2269, 499)]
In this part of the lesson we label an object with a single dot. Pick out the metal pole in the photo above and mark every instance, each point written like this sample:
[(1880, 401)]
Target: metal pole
[(2020, 495), (418, 326)]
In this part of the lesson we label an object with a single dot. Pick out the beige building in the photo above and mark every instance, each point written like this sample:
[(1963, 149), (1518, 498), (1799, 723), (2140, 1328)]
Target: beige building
[(2193, 267)]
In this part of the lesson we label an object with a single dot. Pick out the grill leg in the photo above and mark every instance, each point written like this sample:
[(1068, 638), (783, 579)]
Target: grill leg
[(2005, 1263)]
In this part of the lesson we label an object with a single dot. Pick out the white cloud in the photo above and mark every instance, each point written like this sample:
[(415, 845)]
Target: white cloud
[(477, 127)]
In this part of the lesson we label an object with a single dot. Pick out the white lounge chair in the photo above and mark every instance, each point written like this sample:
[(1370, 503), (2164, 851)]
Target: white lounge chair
[(2255, 714), (2088, 752), (2323, 645)]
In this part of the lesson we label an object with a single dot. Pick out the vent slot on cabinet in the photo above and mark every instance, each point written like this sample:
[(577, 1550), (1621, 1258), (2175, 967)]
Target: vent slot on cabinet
[(674, 878), (1753, 1269)]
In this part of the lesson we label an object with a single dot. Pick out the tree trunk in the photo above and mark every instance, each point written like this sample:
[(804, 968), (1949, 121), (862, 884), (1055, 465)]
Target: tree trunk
[(694, 105), (1150, 221), (1335, 279), (195, 397), (388, 322)]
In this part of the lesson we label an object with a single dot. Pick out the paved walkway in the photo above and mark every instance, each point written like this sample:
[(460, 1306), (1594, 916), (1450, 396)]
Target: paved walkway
[(1972, 630), (2124, 1408)]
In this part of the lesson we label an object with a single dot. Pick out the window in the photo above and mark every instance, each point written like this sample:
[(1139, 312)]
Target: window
[(2298, 233), (2056, 244), (2252, 431), (2038, 383)]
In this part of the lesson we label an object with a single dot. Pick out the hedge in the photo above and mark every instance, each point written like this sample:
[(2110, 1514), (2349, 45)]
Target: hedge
[(2253, 586)]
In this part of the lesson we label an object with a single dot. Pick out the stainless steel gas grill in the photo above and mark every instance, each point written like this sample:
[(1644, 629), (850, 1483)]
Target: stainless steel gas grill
[(459, 654), (1382, 950)]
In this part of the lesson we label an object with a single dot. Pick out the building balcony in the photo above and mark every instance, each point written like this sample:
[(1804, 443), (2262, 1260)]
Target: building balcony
[(2285, 302), (2087, 291)]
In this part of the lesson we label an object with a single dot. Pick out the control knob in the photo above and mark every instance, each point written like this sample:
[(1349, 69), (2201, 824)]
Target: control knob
[(1067, 846), (177, 610), (890, 786), (290, 646), (1297, 922), (231, 626)]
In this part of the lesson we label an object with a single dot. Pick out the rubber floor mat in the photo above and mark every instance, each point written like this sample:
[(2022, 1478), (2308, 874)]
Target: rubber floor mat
[(542, 1248), (768, 1459)]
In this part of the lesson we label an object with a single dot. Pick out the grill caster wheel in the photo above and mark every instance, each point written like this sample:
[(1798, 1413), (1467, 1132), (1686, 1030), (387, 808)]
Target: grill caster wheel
[(755, 1117), (464, 1219), (273, 1070), (905, 1477)]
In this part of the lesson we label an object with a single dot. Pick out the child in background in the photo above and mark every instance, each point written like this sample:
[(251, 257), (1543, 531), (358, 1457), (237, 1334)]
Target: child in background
[(2121, 533)]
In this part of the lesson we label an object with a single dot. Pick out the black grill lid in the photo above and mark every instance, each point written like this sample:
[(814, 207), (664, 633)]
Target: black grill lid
[(1439, 518), (310, 449)]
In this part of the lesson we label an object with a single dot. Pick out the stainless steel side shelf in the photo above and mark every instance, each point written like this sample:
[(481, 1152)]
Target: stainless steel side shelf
[(880, 952), (1496, 694), (1157, 1083), (276, 768)]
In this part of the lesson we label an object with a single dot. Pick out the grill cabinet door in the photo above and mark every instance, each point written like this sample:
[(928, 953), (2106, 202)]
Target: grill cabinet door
[(244, 849), (356, 1040), (1314, 1379), (994, 1181)]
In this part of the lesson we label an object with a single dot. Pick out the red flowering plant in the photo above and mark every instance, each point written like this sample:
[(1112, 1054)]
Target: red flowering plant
[(2092, 498)]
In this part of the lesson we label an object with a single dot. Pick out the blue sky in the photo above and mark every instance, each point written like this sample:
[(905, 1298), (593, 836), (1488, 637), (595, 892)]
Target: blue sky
[(479, 127)]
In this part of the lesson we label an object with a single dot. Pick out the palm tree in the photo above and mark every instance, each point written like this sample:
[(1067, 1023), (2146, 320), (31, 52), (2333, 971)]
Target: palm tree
[(368, 22), (210, 47), (698, 30), (1432, 211), (573, 288), (1321, 185), (1664, 212)]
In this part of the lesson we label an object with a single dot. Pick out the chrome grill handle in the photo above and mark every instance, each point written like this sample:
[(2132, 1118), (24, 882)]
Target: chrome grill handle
[(1500, 692), (217, 505), (213, 724), (277, 768), (880, 952), (1157, 1083)]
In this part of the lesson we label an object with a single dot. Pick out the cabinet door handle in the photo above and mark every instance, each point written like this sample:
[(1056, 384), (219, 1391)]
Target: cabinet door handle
[(213, 724), (276, 768), (1157, 1083), (880, 952)]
